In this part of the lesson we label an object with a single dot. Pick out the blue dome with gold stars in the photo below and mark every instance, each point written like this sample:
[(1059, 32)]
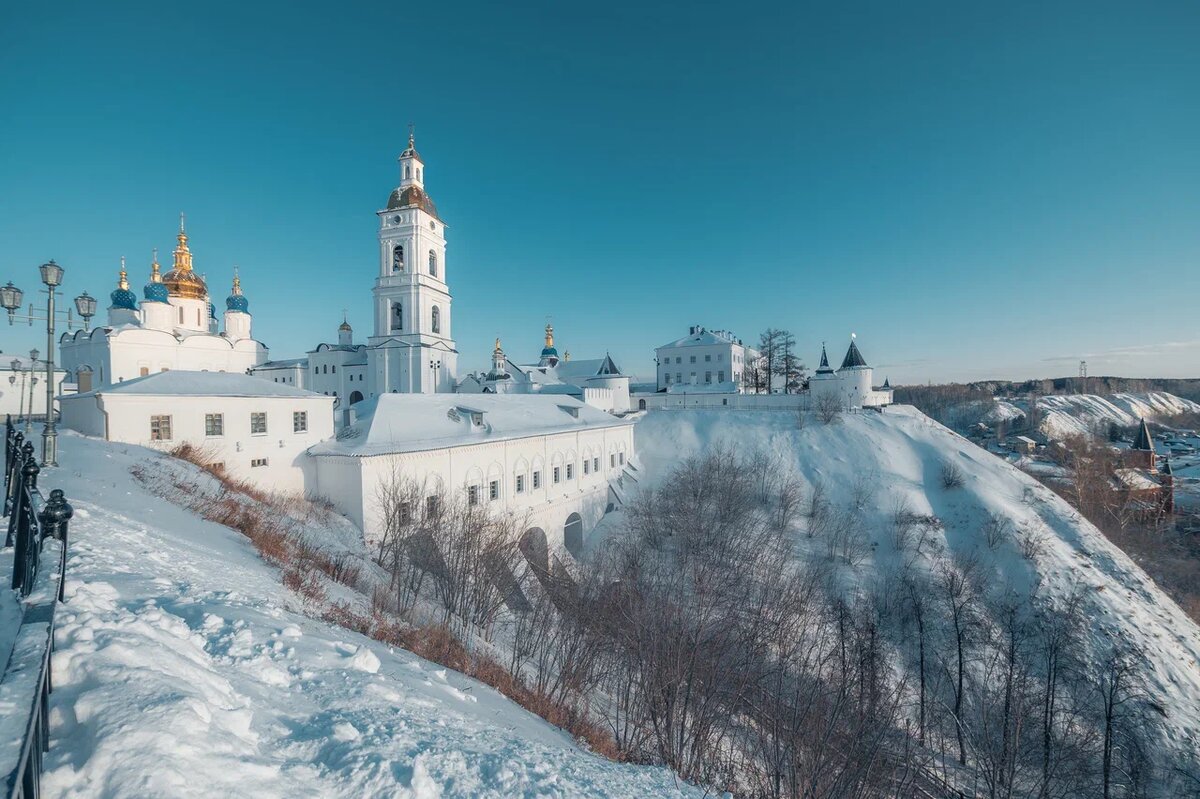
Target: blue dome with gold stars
[(237, 301), (156, 290)]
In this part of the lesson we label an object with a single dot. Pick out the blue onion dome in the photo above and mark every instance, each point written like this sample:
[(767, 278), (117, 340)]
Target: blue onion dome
[(236, 300), (156, 290), (212, 310), (122, 297)]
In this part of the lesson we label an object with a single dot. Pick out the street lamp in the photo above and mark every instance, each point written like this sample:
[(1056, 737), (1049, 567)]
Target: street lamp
[(10, 300), (434, 366)]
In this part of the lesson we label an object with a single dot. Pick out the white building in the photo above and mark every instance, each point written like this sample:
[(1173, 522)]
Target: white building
[(852, 383), (23, 386), (712, 358), (411, 349), (254, 430), (174, 327), (598, 382), (553, 463)]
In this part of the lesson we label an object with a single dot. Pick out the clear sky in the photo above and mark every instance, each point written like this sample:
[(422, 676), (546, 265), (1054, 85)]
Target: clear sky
[(977, 190)]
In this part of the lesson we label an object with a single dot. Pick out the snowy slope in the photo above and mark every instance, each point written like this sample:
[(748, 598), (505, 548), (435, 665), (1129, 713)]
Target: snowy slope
[(900, 454), (183, 669), (1072, 414)]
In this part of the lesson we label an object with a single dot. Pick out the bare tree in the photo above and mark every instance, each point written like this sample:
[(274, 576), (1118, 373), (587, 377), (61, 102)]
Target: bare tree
[(829, 407)]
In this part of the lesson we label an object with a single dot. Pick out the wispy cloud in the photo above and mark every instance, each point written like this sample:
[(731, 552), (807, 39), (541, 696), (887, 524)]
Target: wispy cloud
[(1122, 354)]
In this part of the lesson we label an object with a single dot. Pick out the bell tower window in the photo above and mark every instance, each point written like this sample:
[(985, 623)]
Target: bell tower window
[(407, 172), (437, 320), (397, 316), (398, 258), (433, 263)]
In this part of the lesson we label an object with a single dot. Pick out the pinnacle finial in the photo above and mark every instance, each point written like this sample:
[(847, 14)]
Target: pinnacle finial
[(497, 344), (411, 135), (181, 228), (237, 281), (123, 280)]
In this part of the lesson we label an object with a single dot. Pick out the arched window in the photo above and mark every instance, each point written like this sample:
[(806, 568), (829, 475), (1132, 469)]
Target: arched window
[(398, 258), (573, 534), (397, 316), (355, 396), (433, 263), (407, 172), (437, 320)]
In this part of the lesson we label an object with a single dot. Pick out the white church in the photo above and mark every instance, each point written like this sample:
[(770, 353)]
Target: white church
[(543, 441)]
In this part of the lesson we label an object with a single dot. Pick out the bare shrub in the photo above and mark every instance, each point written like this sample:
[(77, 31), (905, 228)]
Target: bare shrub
[(996, 529), (902, 522), (829, 407), (952, 476)]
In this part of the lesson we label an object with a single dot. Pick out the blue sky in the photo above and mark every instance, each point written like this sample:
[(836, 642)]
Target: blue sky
[(976, 190)]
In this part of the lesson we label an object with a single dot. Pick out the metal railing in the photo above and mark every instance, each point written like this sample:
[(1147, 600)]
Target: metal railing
[(37, 539)]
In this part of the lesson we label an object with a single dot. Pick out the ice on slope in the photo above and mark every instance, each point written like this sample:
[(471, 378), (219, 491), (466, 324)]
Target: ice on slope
[(182, 670), (901, 453)]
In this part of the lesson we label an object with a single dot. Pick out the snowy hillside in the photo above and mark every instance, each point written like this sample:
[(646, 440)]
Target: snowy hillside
[(1071, 414), (878, 460), (184, 669)]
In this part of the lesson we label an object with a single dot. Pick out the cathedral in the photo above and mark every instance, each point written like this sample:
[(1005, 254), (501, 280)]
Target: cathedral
[(173, 327)]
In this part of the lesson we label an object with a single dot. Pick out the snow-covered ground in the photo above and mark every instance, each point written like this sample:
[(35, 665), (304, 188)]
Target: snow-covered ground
[(183, 668), (900, 453), (1070, 414)]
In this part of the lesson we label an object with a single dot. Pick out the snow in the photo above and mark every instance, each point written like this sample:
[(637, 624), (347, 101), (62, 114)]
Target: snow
[(415, 422), (184, 668), (203, 384), (1002, 411), (900, 453), (1079, 414)]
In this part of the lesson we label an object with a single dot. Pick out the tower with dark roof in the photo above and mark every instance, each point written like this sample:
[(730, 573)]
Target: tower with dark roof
[(1141, 454)]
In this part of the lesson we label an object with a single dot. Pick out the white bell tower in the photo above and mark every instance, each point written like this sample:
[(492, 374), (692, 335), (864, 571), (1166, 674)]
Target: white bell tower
[(411, 349)]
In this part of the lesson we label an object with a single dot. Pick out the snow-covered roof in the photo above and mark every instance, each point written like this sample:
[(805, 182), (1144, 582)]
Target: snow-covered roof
[(417, 422), (282, 364), (203, 384), (702, 339), (1137, 479), (591, 367)]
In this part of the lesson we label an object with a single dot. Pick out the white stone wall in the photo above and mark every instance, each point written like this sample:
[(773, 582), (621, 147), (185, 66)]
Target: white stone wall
[(114, 416), (14, 396), (113, 356), (351, 483)]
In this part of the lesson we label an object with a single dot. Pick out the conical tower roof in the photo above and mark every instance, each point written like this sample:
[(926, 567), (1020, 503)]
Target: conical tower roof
[(824, 368), (1142, 441), (853, 357)]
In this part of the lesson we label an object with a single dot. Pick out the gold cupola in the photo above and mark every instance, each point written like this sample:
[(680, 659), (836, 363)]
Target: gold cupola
[(182, 281)]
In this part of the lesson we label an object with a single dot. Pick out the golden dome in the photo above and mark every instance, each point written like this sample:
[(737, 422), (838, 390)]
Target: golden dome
[(181, 281)]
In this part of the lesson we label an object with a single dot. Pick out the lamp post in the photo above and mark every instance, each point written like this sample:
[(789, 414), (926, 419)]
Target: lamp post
[(32, 380), (10, 300), (15, 366)]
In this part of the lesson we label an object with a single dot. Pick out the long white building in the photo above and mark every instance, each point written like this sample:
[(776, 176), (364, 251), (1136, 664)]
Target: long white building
[(715, 359), (553, 463)]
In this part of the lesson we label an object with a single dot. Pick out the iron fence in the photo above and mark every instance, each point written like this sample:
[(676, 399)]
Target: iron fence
[(37, 538)]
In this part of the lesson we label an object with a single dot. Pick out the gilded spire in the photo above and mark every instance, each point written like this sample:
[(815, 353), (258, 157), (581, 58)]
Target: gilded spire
[(549, 335), (237, 282), (123, 280), (183, 256), (155, 275), (497, 345)]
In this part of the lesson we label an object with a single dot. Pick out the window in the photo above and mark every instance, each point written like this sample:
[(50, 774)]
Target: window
[(494, 490), (678, 377), (693, 359), (708, 358), (437, 320), (407, 172), (621, 456), (433, 263), (679, 360), (708, 377), (214, 424), (557, 474), (432, 509), (472, 495), (520, 484), (595, 464), (719, 357), (586, 465), (537, 480), (570, 471), (405, 513), (398, 258), (258, 424), (721, 376), (612, 461), (397, 316), (256, 462), (181, 315), (160, 428), (668, 378), (142, 371), (333, 368), (300, 421)]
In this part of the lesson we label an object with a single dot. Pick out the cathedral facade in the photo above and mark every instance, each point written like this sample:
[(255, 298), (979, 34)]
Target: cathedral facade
[(173, 327)]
